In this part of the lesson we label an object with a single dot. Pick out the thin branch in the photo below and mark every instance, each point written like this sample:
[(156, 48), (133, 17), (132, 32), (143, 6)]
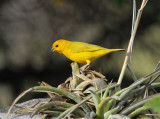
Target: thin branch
[(16, 100), (143, 4), (133, 25), (129, 50), (134, 15), (132, 73)]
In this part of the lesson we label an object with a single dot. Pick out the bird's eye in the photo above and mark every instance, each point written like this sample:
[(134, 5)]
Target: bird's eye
[(56, 45)]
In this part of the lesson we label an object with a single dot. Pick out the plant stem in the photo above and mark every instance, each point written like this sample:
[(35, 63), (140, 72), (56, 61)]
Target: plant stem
[(138, 111), (106, 115), (16, 100), (131, 109), (101, 106), (62, 92), (129, 50)]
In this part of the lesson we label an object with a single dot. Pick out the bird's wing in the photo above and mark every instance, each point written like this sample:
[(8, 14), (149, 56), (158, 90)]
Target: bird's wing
[(84, 47)]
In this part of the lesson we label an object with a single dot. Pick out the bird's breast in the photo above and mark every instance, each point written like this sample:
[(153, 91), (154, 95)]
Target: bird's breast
[(81, 57)]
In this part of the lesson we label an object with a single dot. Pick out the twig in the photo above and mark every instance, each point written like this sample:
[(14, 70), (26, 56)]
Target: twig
[(132, 73), (129, 50), (15, 101)]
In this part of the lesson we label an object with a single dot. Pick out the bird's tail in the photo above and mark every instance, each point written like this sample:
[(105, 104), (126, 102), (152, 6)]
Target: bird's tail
[(114, 50)]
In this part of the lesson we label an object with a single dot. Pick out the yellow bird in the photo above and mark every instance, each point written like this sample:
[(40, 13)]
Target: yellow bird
[(80, 52)]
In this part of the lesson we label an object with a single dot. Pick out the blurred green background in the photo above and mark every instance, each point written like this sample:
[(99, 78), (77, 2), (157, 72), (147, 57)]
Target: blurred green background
[(29, 27)]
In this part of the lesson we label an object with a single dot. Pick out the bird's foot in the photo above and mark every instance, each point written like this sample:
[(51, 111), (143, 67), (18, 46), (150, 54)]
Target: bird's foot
[(85, 67)]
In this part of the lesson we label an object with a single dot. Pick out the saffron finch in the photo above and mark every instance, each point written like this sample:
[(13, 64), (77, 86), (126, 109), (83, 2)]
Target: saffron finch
[(80, 52)]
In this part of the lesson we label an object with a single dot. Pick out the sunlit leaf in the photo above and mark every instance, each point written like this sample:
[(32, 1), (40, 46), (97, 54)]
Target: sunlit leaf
[(154, 104)]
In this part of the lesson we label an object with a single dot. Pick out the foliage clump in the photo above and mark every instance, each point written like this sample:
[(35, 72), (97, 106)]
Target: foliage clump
[(87, 93)]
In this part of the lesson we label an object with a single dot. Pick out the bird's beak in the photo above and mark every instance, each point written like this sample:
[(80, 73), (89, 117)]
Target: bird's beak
[(52, 50)]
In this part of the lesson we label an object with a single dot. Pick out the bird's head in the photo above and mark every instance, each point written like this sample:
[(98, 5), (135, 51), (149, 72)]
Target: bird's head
[(59, 46)]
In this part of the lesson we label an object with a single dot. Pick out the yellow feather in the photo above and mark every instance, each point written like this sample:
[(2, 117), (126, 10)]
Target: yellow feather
[(81, 52)]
